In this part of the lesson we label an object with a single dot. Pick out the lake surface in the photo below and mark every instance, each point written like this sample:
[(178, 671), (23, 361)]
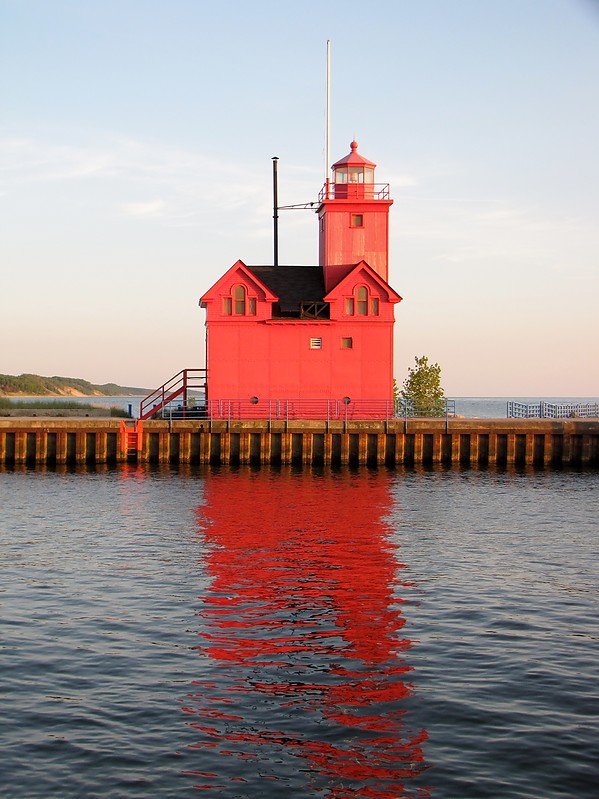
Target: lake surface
[(280, 633)]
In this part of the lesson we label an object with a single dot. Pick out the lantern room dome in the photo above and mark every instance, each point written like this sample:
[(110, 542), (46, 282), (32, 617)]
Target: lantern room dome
[(354, 158)]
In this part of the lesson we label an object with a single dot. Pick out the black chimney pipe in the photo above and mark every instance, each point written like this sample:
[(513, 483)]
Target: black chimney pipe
[(275, 211)]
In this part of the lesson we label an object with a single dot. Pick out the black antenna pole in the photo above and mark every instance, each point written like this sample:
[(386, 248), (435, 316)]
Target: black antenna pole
[(275, 211)]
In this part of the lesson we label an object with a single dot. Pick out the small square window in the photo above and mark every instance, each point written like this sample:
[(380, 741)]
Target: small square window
[(347, 343), (315, 343), (357, 220)]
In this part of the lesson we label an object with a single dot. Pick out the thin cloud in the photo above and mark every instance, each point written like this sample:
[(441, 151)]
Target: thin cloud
[(35, 160), (26, 160), (152, 208), (147, 180)]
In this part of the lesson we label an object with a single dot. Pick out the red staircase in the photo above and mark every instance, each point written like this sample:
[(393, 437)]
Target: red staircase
[(177, 389)]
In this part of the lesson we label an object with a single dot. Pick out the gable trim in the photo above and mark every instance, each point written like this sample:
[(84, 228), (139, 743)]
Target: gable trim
[(337, 291), (245, 276)]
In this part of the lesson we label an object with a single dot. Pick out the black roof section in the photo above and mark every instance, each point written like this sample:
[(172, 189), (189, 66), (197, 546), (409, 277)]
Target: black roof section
[(295, 286)]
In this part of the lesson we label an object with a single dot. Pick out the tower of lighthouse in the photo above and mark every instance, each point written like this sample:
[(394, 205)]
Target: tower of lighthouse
[(353, 219)]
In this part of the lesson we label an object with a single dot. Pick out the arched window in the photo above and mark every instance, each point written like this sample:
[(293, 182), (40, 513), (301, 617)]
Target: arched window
[(238, 303), (239, 296), (362, 301)]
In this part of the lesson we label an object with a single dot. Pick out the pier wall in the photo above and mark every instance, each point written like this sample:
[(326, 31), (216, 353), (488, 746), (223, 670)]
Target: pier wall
[(458, 442)]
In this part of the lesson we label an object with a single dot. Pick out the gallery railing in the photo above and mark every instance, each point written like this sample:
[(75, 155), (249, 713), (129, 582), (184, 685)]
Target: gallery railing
[(353, 191)]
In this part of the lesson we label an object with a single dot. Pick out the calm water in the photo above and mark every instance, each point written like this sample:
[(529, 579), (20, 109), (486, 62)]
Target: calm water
[(240, 633)]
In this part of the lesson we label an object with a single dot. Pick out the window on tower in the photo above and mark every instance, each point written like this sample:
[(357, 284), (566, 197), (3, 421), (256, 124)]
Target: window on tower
[(357, 220), (341, 175), (356, 174)]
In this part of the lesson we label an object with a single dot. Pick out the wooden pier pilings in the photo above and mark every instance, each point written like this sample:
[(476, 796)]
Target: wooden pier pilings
[(467, 442)]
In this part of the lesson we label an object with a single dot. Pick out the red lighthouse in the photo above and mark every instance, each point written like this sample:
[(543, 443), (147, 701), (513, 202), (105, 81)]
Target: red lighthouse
[(306, 341), (310, 336)]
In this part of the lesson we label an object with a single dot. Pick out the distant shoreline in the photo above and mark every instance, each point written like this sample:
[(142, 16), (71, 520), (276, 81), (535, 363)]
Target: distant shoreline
[(30, 385), (66, 395)]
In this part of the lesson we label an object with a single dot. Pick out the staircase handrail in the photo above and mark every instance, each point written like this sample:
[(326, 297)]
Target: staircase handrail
[(176, 386)]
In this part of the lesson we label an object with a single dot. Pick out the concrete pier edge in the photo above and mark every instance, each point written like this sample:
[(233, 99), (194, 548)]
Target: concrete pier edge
[(457, 442)]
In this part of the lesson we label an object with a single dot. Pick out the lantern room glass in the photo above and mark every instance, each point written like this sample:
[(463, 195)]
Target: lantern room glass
[(354, 174)]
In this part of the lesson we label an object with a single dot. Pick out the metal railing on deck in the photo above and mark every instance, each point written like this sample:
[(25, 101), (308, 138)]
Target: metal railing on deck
[(291, 409), (294, 409), (551, 410), (444, 408)]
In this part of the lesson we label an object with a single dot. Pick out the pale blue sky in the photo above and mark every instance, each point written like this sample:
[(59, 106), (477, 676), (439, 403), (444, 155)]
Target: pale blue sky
[(136, 139)]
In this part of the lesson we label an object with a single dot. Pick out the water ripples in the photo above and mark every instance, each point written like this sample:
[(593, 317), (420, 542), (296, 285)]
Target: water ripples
[(240, 633)]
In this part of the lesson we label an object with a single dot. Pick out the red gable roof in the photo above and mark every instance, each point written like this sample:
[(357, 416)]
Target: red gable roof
[(244, 275), (362, 268)]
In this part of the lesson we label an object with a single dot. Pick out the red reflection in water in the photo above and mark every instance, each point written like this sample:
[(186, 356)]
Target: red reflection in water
[(302, 628)]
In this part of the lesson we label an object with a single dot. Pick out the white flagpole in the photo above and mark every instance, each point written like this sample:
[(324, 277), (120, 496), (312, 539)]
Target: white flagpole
[(327, 164)]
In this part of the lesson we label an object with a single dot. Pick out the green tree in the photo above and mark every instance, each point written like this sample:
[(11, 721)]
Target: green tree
[(421, 394)]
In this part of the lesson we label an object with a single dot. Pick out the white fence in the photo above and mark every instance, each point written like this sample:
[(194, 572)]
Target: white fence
[(551, 410)]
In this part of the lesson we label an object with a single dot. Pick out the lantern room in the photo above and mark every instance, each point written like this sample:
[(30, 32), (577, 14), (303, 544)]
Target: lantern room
[(353, 176)]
